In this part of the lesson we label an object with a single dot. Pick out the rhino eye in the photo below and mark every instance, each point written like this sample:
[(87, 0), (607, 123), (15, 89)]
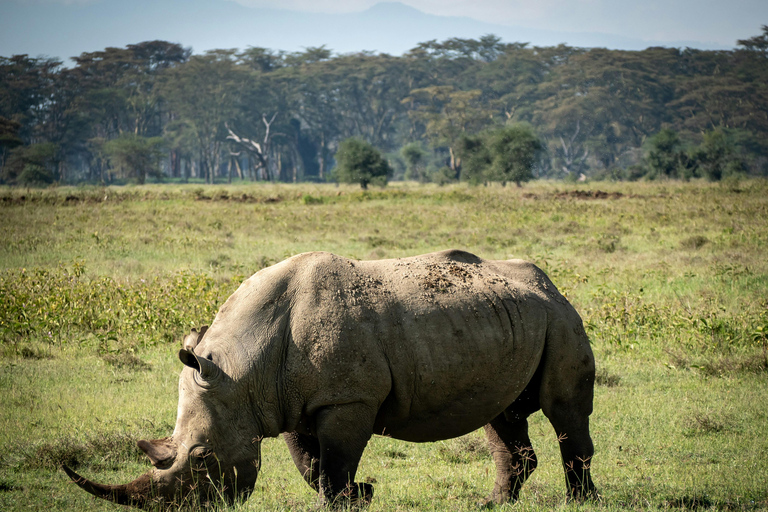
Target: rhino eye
[(201, 458)]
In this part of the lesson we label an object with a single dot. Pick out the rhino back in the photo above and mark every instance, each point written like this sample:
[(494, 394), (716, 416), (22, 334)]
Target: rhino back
[(444, 335)]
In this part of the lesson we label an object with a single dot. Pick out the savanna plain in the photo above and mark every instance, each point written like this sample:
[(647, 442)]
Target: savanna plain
[(99, 285)]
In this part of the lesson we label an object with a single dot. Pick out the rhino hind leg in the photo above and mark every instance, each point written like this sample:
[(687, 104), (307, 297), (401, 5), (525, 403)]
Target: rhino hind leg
[(343, 432), (567, 389), (305, 452)]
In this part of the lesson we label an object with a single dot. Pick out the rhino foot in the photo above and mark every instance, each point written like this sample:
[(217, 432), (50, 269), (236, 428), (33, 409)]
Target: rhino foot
[(355, 495), (585, 493), (498, 498)]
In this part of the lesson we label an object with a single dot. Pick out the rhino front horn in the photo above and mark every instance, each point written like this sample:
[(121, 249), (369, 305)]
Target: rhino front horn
[(136, 493)]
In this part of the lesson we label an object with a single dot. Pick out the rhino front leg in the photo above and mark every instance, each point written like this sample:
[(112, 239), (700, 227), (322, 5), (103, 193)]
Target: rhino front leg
[(343, 432), (513, 454), (305, 451)]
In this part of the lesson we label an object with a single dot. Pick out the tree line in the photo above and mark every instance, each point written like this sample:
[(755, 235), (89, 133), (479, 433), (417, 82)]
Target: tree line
[(461, 109)]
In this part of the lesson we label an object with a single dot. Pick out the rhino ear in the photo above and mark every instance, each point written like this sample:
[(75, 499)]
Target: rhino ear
[(207, 369), (162, 452), (194, 338)]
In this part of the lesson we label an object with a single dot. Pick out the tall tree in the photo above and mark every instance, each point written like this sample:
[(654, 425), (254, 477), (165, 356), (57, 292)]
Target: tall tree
[(135, 157), (27, 88), (204, 93), (664, 155), (515, 151), (9, 138), (414, 156), (34, 164), (447, 114)]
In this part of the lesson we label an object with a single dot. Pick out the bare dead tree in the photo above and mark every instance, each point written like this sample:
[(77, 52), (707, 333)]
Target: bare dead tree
[(260, 151), (570, 159)]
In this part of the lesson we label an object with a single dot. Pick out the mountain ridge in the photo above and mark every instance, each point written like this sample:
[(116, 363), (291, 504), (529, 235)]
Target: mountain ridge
[(386, 27)]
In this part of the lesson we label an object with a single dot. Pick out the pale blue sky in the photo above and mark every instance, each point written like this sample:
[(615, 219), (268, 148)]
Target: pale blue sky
[(718, 21), (65, 28)]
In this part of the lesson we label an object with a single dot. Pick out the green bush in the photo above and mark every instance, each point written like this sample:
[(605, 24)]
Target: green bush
[(64, 306)]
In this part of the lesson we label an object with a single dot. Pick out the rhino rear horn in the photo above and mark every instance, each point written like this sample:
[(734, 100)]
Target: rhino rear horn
[(161, 452), (194, 338), (207, 369)]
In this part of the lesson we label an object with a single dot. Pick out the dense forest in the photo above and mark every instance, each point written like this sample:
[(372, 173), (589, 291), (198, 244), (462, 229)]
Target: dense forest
[(154, 111)]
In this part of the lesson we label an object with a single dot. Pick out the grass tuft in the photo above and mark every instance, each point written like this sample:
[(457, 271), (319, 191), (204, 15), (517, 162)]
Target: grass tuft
[(35, 353), (104, 450), (705, 423), (733, 365), (692, 503), (694, 242), (464, 450), (125, 360), (754, 362), (605, 378)]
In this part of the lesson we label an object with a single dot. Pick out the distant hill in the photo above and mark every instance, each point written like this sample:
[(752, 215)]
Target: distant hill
[(64, 31)]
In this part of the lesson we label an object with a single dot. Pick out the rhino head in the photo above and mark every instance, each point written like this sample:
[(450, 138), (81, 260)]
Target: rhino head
[(214, 452)]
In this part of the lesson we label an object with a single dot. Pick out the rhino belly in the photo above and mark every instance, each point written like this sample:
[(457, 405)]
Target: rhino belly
[(447, 398), (456, 419)]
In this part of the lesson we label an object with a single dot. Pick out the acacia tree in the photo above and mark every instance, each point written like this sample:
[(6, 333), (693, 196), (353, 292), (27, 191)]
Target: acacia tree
[(204, 94), (27, 88), (475, 156), (358, 161), (664, 155), (314, 96), (34, 164), (515, 151), (717, 155), (447, 114), (9, 138), (134, 156), (370, 88), (757, 44), (414, 156)]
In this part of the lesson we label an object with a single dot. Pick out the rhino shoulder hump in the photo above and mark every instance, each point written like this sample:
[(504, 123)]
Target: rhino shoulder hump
[(458, 255)]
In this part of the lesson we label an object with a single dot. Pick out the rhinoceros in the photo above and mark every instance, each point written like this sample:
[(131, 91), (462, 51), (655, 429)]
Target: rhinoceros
[(329, 351)]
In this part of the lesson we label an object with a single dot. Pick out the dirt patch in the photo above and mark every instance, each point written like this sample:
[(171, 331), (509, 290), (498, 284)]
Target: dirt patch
[(588, 194), (10, 200), (436, 280), (440, 277), (238, 198), (98, 197)]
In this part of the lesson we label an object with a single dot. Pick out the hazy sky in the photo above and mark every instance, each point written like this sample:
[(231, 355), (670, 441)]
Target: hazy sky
[(717, 21), (75, 26)]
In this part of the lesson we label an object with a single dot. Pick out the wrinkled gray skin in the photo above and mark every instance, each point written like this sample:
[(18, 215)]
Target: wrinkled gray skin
[(329, 351)]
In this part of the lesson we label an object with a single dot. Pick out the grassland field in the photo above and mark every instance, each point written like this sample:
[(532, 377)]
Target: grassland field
[(99, 285)]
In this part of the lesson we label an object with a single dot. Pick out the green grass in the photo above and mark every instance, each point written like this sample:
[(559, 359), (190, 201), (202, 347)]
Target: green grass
[(97, 287)]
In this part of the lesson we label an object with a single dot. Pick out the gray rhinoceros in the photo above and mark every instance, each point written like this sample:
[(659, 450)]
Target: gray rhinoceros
[(329, 351)]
